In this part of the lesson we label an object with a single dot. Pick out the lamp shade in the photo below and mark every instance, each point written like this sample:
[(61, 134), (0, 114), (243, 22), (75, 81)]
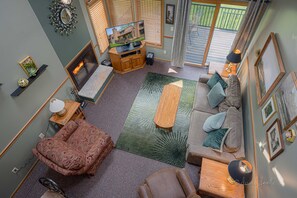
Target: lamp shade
[(56, 105), (234, 56), (240, 171)]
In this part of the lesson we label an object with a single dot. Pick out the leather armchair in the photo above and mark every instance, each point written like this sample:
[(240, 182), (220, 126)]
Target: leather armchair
[(168, 182), (77, 148)]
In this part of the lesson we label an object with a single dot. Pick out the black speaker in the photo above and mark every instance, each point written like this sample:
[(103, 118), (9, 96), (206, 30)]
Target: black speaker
[(150, 58)]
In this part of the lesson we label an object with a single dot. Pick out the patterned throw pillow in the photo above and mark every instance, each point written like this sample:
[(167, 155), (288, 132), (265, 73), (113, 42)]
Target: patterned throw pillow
[(215, 139), (215, 79), (216, 95)]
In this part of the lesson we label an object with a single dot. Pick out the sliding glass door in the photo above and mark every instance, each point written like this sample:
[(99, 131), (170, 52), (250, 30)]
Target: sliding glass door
[(212, 29)]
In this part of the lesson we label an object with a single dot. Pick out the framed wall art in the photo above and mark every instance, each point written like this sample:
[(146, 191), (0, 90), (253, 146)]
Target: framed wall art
[(274, 140), (268, 110), (28, 66), (170, 13), (286, 98), (269, 69)]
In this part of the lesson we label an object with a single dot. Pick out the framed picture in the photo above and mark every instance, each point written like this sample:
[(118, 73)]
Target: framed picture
[(286, 98), (274, 140), (269, 69), (170, 12), (28, 66), (268, 110)]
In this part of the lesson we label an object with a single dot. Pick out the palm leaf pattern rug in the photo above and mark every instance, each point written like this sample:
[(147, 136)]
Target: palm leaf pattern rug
[(141, 137)]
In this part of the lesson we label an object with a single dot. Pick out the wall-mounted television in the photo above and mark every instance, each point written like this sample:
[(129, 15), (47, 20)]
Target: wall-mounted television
[(124, 34)]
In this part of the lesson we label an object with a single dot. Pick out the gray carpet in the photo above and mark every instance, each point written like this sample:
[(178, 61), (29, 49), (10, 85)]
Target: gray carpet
[(121, 173)]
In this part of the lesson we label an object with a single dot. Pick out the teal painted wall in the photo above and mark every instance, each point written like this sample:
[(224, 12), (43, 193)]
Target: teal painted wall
[(22, 35), (66, 47), (279, 18)]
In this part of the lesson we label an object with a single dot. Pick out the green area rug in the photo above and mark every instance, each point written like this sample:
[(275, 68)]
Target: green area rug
[(141, 137)]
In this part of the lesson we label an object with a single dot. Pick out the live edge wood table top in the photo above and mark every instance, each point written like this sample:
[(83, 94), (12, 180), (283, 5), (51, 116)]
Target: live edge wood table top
[(168, 106), (213, 181)]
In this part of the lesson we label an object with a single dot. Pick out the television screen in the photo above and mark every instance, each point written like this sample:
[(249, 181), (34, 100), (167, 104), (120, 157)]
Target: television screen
[(124, 34)]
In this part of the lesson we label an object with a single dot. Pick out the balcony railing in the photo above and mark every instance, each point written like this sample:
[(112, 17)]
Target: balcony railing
[(228, 18)]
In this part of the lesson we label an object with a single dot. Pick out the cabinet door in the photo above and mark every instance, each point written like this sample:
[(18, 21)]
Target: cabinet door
[(137, 61), (126, 64)]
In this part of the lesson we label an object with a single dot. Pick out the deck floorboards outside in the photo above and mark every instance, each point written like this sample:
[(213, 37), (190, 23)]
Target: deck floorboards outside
[(196, 42)]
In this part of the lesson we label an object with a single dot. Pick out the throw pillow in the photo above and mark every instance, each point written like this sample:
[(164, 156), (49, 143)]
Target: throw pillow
[(234, 121), (233, 94), (215, 139), (215, 79), (214, 122), (216, 95)]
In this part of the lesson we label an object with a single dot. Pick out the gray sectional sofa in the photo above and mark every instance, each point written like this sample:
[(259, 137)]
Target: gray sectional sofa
[(201, 111)]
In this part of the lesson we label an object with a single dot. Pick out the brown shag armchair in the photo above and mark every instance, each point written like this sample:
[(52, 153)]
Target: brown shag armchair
[(77, 148), (168, 182)]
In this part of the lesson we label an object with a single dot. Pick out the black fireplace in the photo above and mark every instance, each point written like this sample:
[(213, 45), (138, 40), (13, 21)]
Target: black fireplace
[(83, 66)]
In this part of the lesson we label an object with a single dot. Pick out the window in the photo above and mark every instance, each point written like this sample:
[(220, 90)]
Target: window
[(151, 11), (99, 21), (120, 11)]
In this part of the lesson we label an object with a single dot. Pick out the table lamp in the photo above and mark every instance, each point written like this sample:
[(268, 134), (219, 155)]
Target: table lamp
[(57, 106), (233, 57), (240, 171)]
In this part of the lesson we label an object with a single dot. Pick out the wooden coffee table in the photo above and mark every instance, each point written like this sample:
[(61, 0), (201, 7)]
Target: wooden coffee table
[(213, 181), (167, 108)]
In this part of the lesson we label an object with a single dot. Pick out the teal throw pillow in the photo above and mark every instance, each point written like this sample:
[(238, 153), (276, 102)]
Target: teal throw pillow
[(215, 79), (216, 95), (215, 139), (214, 122)]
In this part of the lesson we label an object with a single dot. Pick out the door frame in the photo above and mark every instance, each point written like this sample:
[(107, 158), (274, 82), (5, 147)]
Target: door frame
[(213, 23)]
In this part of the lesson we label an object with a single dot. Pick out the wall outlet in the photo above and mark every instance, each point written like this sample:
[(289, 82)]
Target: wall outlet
[(165, 51), (171, 29), (41, 135), (15, 170)]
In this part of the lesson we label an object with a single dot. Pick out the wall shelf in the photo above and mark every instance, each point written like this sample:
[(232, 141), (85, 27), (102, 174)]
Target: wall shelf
[(20, 90)]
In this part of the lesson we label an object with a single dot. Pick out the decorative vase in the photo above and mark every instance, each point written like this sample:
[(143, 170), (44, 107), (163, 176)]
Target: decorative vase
[(23, 82)]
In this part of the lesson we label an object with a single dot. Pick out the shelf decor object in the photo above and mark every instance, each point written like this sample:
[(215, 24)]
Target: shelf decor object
[(269, 69), (28, 66), (19, 90), (63, 16), (290, 135)]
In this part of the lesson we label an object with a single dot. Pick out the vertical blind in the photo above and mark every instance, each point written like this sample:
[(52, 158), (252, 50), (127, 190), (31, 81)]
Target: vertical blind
[(99, 21), (120, 11), (151, 12)]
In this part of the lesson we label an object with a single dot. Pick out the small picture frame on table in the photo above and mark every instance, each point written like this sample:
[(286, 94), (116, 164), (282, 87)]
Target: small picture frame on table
[(268, 110), (170, 13), (275, 140)]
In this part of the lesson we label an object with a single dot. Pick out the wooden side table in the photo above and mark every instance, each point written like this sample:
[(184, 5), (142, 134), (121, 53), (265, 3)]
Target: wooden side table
[(73, 112), (221, 69), (213, 181)]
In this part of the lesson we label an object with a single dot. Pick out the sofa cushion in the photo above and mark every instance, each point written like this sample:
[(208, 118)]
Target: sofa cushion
[(215, 139), (61, 154), (201, 101), (216, 95), (234, 122), (214, 122), (233, 94), (215, 78)]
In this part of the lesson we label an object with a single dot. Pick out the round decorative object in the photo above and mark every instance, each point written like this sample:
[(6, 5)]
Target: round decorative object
[(23, 82), (63, 16)]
